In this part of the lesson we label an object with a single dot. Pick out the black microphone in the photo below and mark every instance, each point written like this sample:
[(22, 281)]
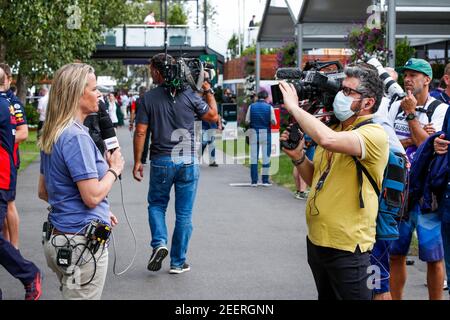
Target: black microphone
[(289, 73), (109, 135)]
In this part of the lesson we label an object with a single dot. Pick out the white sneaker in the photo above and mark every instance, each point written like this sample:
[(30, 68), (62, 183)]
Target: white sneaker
[(267, 184), (178, 270)]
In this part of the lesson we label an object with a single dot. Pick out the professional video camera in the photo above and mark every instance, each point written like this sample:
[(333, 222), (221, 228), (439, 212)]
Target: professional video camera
[(187, 72), (318, 83)]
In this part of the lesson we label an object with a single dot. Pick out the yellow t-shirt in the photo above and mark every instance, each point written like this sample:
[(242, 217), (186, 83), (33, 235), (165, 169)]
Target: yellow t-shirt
[(333, 215)]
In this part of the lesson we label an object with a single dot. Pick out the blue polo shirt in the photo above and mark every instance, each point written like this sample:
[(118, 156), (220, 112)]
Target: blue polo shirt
[(74, 157), (440, 94), (8, 172)]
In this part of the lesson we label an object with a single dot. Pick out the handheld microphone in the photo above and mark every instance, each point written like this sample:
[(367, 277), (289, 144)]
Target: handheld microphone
[(109, 135)]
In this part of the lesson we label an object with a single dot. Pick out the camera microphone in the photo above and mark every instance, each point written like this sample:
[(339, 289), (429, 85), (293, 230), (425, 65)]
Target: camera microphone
[(108, 134), (289, 73)]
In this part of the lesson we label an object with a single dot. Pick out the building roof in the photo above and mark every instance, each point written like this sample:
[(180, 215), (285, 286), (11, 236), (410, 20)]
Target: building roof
[(326, 23)]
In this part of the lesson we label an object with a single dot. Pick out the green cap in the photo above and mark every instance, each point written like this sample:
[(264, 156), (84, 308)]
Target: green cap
[(418, 65)]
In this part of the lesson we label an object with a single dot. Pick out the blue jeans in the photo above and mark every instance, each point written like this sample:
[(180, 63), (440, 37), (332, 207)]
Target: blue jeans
[(163, 174), (259, 137), (209, 138)]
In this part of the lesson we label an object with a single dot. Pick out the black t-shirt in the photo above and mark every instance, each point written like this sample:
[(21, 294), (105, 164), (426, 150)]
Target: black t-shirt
[(171, 120)]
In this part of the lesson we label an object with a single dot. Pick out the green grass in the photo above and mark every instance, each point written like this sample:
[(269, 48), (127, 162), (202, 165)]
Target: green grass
[(284, 175), (414, 247), (29, 150), (281, 166), (235, 148)]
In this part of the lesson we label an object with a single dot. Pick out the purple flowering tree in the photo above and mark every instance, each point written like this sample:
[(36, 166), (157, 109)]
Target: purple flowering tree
[(286, 56), (366, 43)]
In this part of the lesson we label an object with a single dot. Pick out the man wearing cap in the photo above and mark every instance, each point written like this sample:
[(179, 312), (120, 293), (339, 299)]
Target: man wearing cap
[(413, 118)]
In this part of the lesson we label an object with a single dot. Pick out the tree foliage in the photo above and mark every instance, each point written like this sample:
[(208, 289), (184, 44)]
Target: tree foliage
[(111, 68), (177, 14), (368, 42), (40, 36), (140, 9), (211, 13), (233, 46), (287, 55), (42, 39), (403, 51), (251, 50)]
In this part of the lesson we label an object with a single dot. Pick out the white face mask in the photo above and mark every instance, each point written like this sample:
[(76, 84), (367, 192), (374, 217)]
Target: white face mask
[(342, 106)]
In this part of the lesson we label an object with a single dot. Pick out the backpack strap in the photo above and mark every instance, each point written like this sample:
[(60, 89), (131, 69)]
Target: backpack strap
[(431, 108), (394, 98), (429, 111), (360, 169)]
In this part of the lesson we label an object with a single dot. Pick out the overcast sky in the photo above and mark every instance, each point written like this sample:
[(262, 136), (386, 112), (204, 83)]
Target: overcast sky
[(228, 14)]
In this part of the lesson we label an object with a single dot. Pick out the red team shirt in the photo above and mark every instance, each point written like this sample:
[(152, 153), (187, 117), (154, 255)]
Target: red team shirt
[(8, 171), (21, 120)]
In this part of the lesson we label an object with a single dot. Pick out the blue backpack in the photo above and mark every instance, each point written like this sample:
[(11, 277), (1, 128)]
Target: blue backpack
[(392, 196)]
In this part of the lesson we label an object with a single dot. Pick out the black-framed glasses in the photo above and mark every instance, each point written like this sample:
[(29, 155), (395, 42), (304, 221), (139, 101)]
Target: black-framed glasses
[(348, 91)]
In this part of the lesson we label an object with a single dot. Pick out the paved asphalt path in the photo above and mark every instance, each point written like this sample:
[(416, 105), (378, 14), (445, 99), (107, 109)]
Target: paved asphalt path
[(247, 243)]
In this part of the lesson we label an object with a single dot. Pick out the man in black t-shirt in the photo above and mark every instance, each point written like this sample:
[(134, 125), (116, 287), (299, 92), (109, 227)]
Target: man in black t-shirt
[(170, 117)]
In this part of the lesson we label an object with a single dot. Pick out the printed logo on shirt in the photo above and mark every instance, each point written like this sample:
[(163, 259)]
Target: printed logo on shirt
[(12, 114), (402, 130), (18, 113), (401, 127)]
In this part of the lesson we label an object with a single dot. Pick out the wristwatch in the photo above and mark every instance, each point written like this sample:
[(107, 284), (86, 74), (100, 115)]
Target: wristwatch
[(410, 116), (210, 90)]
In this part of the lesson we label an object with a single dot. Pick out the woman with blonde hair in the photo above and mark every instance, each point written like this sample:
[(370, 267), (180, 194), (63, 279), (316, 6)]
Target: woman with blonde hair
[(75, 180)]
